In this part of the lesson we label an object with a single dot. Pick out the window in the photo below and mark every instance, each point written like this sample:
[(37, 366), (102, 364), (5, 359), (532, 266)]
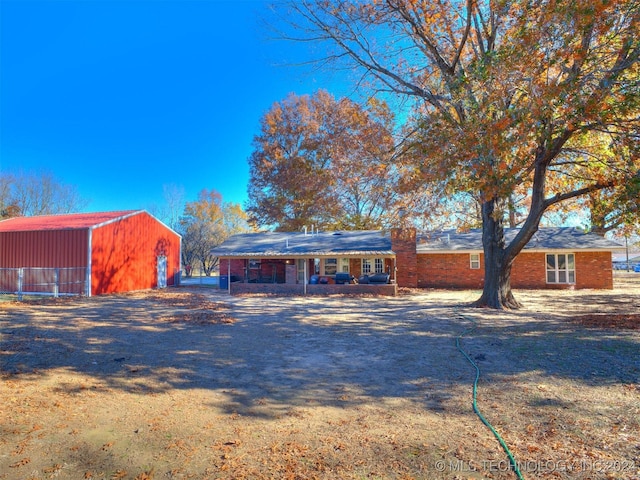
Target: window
[(474, 261), (301, 264), (372, 265), (344, 262), (561, 268), (330, 266), (366, 266), (379, 265), (254, 264)]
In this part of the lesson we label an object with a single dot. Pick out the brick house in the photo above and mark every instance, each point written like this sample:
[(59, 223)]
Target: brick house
[(554, 258), (318, 263), (295, 262)]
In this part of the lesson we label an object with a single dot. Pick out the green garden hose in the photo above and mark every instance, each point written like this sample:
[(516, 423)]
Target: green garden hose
[(512, 460)]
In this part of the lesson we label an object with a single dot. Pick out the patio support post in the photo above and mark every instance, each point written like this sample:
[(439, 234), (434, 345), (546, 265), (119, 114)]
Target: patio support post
[(395, 270), (304, 288), (229, 275)]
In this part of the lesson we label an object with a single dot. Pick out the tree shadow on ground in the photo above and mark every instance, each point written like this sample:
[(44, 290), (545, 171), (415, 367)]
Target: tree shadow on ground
[(289, 351)]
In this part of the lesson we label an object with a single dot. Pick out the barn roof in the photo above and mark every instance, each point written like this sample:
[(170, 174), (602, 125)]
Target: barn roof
[(73, 221), (547, 238), (291, 244)]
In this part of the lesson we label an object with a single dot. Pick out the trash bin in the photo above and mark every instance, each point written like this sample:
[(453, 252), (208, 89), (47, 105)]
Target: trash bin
[(224, 282)]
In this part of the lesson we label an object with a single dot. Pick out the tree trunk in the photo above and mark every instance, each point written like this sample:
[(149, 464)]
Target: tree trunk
[(497, 264)]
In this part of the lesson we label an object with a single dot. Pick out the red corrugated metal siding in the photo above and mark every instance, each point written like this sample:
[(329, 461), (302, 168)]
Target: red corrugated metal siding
[(48, 248), (124, 254)]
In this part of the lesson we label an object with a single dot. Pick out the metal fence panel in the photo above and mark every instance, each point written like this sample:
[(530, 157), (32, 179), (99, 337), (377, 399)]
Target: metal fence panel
[(9, 280), (43, 281)]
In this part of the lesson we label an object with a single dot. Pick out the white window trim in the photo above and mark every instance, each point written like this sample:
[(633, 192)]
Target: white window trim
[(324, 266), (378, 262), (344, 265), (373, 262), (556, 270), (301, 269), (474, 263), (368, 262)]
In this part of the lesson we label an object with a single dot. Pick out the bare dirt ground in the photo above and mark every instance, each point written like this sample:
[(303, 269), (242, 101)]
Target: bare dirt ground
[(192, 383)]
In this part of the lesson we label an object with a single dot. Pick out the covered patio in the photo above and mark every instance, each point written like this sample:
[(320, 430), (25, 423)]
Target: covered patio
[(298, 263)]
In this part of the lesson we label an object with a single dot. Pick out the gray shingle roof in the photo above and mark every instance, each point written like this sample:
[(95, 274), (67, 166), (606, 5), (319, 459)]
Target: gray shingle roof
[(291, 244), (550, 238), (378, 243)]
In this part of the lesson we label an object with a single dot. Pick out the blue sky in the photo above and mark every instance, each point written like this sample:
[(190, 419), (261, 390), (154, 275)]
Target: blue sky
[(121, 97)]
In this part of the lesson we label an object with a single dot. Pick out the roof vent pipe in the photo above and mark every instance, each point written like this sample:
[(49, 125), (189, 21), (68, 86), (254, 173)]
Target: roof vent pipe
[(305, 230)]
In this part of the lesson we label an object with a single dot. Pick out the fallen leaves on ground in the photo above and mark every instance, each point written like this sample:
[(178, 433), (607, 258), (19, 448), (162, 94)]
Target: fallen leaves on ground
[(200, 310), (629, 321)]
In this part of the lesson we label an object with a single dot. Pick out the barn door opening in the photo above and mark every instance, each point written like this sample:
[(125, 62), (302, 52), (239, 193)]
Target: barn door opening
[(162, 272)]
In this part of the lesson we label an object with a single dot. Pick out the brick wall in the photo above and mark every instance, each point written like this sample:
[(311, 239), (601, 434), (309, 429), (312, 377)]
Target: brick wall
[(403, 243), (593, 270), (298, 289), (529, 271), (355, 267), (449, 270), (237, 267)]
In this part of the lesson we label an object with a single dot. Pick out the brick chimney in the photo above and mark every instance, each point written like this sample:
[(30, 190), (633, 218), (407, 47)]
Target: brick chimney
[(403, 243)]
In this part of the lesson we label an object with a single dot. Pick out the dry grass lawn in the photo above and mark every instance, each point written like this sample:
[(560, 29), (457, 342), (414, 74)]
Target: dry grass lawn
[(195, 384)]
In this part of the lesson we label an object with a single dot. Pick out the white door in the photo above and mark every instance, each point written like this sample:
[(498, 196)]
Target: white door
[(162, 272)]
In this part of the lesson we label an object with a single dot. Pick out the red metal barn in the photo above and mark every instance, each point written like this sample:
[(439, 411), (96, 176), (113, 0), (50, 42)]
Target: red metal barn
[(111, 252)]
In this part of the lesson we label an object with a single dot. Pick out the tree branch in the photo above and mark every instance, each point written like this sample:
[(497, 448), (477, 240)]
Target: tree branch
[(465, 35), (557, 198)]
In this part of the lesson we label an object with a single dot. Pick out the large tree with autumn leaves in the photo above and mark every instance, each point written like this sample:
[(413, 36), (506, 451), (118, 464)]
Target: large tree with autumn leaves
[(325, 162), (512, 97)]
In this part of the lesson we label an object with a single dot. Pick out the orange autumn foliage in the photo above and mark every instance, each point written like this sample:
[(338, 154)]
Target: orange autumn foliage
[(512, 98), (325, 162)]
